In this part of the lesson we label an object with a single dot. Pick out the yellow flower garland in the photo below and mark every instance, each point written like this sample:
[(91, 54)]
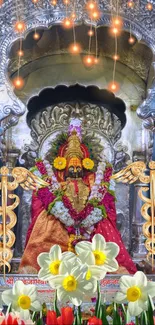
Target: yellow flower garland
[(60, 163), (88, 163)]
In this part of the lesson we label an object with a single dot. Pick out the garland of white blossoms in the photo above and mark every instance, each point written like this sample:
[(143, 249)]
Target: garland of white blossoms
[(62, 213), (59, 211), (55, 184), (97, 184)]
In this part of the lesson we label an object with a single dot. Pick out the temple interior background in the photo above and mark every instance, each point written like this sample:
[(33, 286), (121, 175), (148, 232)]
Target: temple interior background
[(59, 61)]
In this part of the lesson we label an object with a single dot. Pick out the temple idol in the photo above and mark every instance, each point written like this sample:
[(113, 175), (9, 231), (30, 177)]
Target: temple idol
[(77, 146)]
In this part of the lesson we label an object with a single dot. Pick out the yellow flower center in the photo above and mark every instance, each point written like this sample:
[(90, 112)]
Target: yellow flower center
[(54, 267), (100, 257), (88, 275), (69, 283), (24, 302), (134, 293)]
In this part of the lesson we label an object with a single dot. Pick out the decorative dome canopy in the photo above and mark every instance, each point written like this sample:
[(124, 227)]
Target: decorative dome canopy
[(80, 94)]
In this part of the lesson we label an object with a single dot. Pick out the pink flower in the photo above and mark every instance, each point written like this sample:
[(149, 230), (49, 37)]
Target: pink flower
[(41, 167), (46, 197), (107, 174), (131, 323)]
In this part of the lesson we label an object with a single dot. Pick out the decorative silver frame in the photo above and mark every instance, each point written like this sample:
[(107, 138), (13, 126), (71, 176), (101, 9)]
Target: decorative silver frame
[(141, 21)]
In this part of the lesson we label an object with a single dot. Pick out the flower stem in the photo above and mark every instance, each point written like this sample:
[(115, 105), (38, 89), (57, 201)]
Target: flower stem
[(56, 309), (137, 320)]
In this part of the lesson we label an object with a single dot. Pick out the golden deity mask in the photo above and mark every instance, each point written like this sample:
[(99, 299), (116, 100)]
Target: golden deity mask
[(75, 167)]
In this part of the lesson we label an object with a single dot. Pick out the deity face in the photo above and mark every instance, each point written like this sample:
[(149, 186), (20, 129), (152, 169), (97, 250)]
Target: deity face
[(75, 168)]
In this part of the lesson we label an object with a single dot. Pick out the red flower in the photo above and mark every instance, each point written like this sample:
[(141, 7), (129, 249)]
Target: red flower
[(59, 320), (107, 174), (131, 323), (94, 321), (51, 318), (41, 167), (11, 320), (67, 316)]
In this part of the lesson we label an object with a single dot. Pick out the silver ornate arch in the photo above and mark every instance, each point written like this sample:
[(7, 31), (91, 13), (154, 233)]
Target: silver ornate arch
[(44, 16)]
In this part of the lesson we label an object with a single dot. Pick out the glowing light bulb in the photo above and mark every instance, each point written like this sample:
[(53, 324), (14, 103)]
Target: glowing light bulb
[(89, 60), (113, 86), (131, 40), (36, 36), (1, 2), (130, 4), (67, 23), (75, 48), (18, 82), (66, 2), (91, 5), (73, 16), (115, 30), (117, 21), (95, 14), (90, 32), (149, 6), (115, 57), (96, 60), (54, 2), (20, 26), (20, 53), (35, 1)]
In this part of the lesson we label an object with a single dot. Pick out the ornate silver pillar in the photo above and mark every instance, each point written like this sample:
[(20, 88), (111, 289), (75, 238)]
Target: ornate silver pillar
[(138, 248)]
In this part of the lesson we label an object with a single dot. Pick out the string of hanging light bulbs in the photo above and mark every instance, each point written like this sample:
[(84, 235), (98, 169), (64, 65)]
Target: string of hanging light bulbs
[(93, 12)]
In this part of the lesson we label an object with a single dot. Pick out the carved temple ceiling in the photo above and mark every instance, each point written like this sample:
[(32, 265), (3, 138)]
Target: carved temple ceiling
[(56, 41), (53, 42)]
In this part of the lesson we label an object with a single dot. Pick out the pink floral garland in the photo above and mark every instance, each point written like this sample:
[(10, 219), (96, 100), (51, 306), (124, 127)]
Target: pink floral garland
[(47, 197), (74, 214)]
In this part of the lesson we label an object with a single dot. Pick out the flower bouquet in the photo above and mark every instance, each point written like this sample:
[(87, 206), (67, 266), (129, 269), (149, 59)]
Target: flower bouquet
[(75, 277)]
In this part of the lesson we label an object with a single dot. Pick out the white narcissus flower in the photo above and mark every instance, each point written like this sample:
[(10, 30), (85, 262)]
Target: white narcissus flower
[(50, 262), (22, 298), (136, 290), (71, 283), (94, 271), (98, 255)]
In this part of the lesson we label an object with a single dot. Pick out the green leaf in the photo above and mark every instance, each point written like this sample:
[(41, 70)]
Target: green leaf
[(137, 320), (116, 317), (39, 321), (51, 205), (79, 316), (104, 317), (150, 311), (112, 193), (104, 213), (33, 169), (128, 317), (56, 309), (98, 302), (143, 318)]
